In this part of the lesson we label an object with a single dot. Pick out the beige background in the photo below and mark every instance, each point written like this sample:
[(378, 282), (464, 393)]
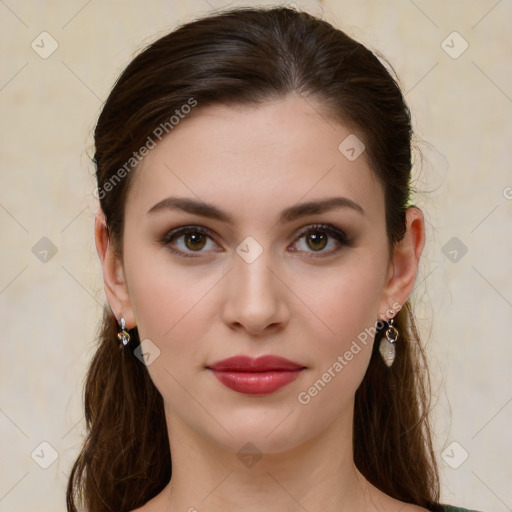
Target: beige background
[(50, 309)]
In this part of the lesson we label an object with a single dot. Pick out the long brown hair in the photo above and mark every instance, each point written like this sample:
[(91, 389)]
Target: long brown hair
[(241, 57)]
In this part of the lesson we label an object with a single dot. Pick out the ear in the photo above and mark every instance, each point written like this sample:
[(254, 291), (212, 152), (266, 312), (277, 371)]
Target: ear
[(403, 266), (116, 288)]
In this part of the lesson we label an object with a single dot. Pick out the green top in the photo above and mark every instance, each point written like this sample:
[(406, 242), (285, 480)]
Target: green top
[(450, 508)]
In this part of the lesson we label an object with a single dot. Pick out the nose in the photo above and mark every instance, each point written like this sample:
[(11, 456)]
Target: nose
[(255, 299)]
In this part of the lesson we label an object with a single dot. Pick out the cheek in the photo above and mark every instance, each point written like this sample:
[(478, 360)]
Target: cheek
[(347, 303), (172, 304), (346, 300), (173, 310)]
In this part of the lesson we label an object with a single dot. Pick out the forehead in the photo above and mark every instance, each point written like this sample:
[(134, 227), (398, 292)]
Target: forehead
[(255, 158)]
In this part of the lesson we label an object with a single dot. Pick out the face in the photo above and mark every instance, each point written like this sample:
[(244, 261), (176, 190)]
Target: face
[(302, 287)]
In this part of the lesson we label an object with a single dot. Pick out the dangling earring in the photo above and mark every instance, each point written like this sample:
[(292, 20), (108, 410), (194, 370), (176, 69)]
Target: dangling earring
[(123, 336), (387, 344)]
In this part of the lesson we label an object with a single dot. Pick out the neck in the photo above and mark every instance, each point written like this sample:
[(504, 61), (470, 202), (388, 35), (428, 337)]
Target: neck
[(317, 475)]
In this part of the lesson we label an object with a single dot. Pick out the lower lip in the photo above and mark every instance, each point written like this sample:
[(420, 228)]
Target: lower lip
[(257, 383)]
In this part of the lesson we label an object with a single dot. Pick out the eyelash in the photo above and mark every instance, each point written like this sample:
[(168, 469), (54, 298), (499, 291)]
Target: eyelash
[(335, 233)]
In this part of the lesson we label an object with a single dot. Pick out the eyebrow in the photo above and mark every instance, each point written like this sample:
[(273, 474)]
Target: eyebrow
[(288, 215)]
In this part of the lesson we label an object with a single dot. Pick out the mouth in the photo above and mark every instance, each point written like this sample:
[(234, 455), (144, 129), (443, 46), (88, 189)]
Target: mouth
[(256, 376)]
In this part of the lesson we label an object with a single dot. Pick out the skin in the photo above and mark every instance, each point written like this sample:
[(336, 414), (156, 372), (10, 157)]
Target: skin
[(291, 301)]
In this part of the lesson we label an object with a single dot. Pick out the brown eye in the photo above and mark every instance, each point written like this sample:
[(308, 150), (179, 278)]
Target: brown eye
[(197, 240), (317, 239), (187, 240)]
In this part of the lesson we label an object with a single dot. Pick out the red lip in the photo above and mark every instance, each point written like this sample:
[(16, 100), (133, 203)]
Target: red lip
[(250, 364), (258, 376)]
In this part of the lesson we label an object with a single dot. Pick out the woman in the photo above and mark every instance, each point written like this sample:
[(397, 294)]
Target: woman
[(259, 247)]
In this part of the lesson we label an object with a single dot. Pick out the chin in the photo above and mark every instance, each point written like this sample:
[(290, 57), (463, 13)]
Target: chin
[(263, 432)]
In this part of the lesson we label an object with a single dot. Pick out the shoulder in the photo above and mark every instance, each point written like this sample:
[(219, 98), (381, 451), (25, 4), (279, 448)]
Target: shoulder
[(451, 508), (407, 507)]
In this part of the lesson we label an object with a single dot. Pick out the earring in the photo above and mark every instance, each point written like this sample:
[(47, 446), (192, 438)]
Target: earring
[(387, 344), (123, 336)]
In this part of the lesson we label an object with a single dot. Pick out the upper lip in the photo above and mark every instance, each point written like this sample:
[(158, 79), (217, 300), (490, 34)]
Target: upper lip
[(251, 364)]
